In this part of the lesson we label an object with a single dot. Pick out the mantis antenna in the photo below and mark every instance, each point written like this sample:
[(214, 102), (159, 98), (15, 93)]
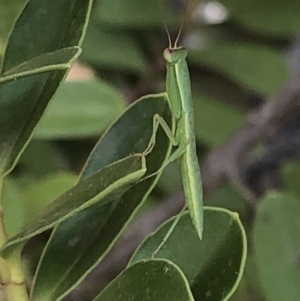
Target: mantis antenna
[(181, 25), (166, 27), (168, 34)]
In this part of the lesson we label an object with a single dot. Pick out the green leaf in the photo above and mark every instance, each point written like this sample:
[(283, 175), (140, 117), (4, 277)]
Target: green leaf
[(213, 266), (207, 112), (43, 192), (277, 246), (78, 245), (28, 40), (105, 48), (80, 109), (152, 280), (24, 98), (135, 13), (268, 17), (255, 67), (59, 59), (103, 186)]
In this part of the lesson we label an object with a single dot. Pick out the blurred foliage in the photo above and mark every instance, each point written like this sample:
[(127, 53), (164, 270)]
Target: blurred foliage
[(266, 17), (277, 227), (236, 53)]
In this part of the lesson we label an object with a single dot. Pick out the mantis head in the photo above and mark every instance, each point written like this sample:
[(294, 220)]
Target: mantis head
[(173, 55)]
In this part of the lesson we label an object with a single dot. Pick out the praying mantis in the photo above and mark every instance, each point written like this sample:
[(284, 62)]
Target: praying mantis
[(182, 134)]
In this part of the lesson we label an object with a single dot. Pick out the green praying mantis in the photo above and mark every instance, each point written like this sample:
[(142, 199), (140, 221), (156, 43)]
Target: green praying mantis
[(182, 134)]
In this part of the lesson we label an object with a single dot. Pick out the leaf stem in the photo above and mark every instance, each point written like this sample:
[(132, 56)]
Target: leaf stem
[(15, 287)]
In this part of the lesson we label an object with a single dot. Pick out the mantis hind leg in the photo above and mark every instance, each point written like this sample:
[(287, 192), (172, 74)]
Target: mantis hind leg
[(158, 120), (174, 156), (171, 229)]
